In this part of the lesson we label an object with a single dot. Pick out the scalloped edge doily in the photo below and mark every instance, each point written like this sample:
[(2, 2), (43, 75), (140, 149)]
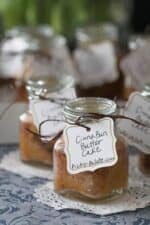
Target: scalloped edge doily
[(137, 196), (13, 163)]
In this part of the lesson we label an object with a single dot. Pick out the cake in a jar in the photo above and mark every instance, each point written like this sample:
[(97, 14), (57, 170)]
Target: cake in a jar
[(96, 60), (46, 99), (132, 64), (101, 183), (32, 149)]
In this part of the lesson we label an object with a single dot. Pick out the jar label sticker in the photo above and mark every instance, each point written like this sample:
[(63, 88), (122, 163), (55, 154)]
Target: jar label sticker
[(90, 150), (137, 107), (47, 110), (137, 66), (96, 64)]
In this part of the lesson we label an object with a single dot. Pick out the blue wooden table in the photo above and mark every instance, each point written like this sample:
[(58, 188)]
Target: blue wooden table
[(19, 207)]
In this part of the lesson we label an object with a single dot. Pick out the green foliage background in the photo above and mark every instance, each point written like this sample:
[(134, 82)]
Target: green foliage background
[(63, 15)]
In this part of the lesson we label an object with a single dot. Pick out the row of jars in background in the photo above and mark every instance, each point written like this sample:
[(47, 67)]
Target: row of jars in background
[(94, 70), (94, 63)]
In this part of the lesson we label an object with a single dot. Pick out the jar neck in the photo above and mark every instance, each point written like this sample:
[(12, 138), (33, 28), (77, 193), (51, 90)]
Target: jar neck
[(47, 85), (80, 106), (97, 34)]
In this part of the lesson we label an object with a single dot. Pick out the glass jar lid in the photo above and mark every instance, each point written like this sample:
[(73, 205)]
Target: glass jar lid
[(36, 31), (137, 41), (80, 106), (42, 86), (28, 39), (97, 33)]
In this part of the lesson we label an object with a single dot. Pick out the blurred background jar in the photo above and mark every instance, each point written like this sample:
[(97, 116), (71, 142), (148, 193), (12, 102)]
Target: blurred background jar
[(37, 49), (135, 42), (51, 88), (103, 182), (96, 59), (48, 73), (144, 157), (17, 46)]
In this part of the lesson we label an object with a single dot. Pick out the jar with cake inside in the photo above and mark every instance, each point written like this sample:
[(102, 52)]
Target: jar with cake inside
[(96, 59), (104, 182), (135, 42), (19, 45), (32, 147), (144, 157)]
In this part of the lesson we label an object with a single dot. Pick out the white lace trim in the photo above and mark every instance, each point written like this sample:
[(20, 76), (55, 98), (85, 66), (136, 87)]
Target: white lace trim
[(12, 162), (137, 196)]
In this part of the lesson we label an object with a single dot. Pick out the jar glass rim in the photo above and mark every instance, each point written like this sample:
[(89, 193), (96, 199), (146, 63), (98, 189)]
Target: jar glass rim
[(98, 31), (45, 86), (77, 107)]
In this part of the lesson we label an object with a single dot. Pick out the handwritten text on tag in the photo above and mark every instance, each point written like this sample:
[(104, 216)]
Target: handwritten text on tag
[(90, 150)]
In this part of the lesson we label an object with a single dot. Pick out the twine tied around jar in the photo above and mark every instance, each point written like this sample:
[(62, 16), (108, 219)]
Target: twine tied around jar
[(79, 122)]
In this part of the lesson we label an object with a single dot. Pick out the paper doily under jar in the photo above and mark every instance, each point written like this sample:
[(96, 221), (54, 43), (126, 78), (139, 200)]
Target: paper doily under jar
[(13, 163), (137, 196)]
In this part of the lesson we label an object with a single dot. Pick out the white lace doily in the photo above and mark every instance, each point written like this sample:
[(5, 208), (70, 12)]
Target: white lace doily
[(12, 162), (137, 196)]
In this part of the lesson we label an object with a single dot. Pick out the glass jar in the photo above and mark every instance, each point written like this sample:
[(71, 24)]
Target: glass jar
[(98, 184), (15, 49), (135, 42), (108, 81), (33, 53), (32, 148), (144, 159), (97, 33)]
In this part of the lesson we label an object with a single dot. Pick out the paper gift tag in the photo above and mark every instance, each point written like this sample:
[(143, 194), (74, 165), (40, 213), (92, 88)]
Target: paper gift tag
[(137, 65), (90, 150), (44, 109), (96, 64), (138, 107)]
